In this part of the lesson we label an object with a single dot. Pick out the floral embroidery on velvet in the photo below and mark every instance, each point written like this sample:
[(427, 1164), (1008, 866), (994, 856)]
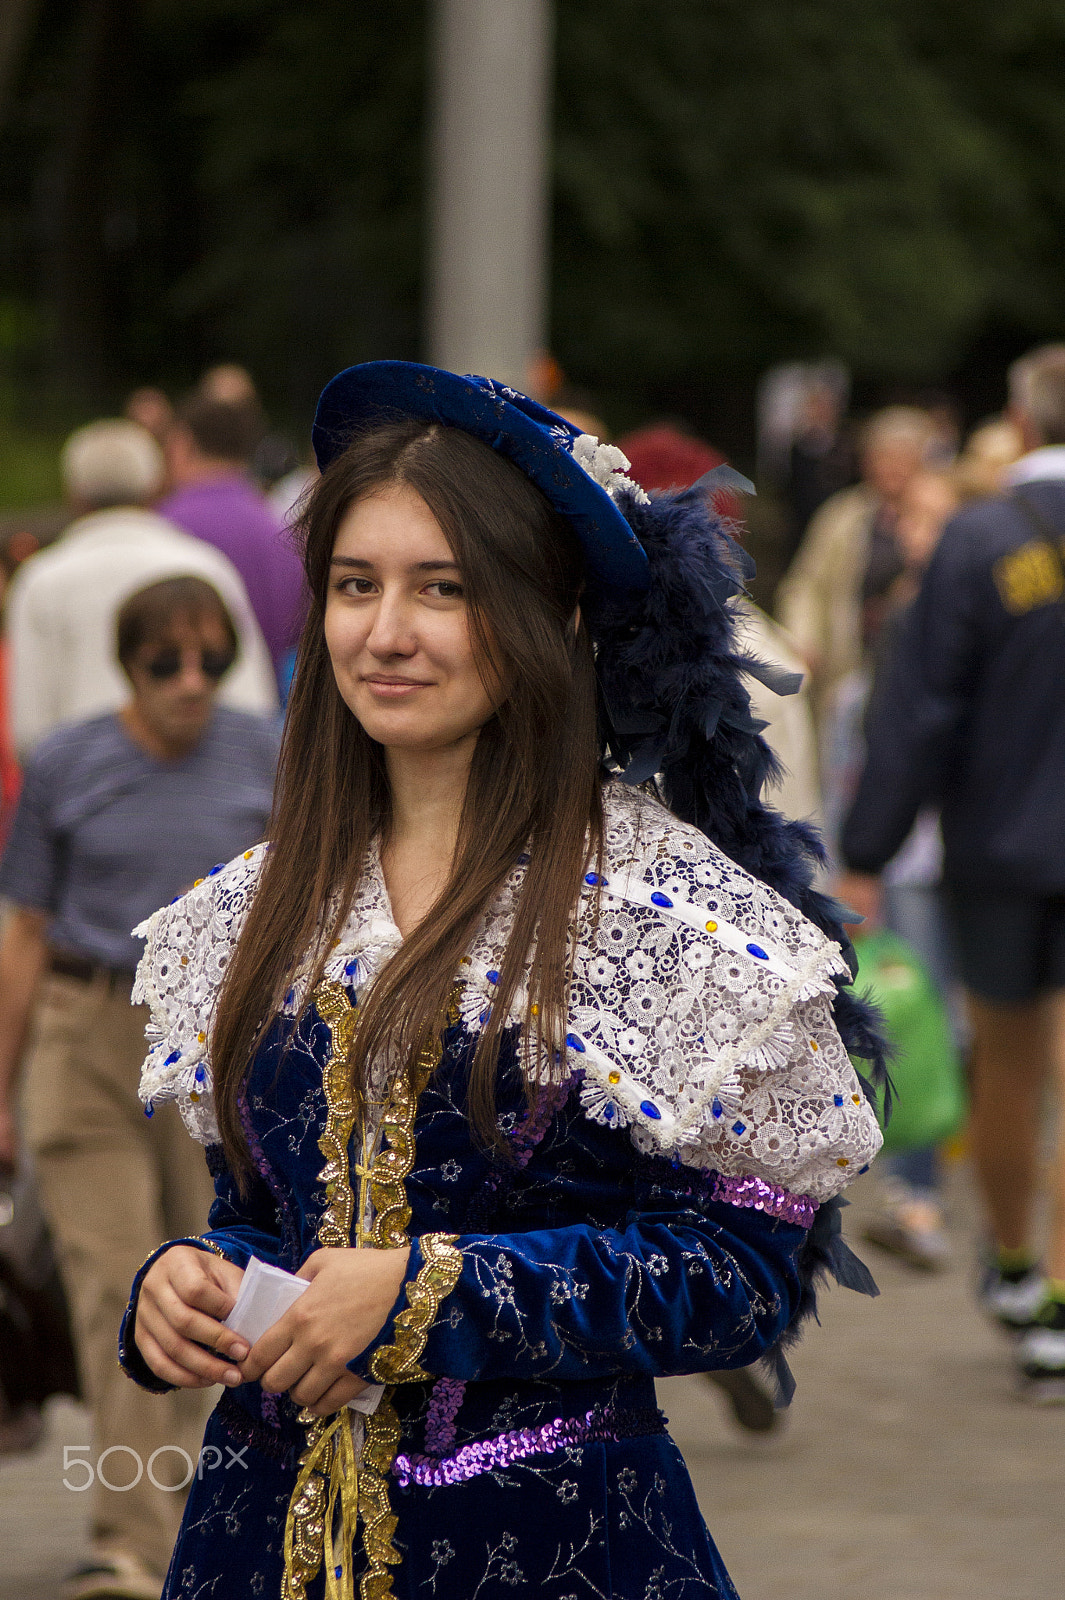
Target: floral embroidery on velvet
[(290, 1232), (487, 1455)]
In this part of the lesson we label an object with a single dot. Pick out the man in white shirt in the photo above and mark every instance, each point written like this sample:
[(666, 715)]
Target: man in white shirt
[(62, 603)]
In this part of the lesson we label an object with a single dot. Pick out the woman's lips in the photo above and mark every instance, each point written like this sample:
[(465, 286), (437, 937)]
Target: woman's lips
[(393, 688)]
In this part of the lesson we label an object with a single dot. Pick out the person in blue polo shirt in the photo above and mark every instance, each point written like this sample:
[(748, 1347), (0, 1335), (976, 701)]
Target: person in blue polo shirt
[(116, 814)]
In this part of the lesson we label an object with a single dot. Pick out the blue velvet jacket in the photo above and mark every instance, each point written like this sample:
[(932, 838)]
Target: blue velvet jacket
[(545, 1292)]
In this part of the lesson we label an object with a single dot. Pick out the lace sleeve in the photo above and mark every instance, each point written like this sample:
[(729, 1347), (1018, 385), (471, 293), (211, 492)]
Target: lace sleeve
[(180, 973), (701, 1015)]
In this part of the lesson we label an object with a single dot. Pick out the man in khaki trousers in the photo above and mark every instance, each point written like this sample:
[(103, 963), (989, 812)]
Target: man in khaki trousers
[(117, 815)]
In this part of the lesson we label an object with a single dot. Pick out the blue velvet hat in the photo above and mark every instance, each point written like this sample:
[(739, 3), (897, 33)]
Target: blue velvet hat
[(577, 474)]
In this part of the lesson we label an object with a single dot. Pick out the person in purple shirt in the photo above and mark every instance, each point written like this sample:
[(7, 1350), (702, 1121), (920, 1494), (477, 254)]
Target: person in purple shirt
[(212, 497)]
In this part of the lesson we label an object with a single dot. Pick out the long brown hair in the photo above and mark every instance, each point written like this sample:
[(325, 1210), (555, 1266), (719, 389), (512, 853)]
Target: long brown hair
[(533, 782)]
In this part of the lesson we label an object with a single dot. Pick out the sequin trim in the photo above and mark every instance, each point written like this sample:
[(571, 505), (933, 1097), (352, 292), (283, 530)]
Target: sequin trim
[(444, 1403), (769, 1198), (436, 1277), (267, 1440), (487, 1455)]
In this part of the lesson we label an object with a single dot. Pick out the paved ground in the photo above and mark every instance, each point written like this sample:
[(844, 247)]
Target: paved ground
[(907, 1470)]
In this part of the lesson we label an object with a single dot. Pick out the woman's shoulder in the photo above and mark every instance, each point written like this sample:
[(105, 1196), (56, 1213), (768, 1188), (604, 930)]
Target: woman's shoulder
[(701, 1014), (672, 866), (187, 949)]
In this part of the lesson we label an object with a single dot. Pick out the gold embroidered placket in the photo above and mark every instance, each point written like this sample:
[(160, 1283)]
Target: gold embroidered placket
[(328, 1476)]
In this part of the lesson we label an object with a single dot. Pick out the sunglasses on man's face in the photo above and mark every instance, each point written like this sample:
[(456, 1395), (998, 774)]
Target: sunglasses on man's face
[(214, 664)]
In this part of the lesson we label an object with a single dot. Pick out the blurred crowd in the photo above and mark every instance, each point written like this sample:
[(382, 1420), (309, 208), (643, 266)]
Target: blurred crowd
[(146, 655)]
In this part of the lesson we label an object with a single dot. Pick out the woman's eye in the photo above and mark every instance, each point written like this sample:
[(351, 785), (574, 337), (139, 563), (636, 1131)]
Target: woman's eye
[(355, 586), (445, 589)]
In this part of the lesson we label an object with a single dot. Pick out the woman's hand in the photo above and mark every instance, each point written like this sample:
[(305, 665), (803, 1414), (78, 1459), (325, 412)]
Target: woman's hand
[(184, 1297), (306, 1352)]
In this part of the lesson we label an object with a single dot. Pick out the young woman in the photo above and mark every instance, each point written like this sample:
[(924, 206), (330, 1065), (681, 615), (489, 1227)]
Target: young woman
[(538, 1088)]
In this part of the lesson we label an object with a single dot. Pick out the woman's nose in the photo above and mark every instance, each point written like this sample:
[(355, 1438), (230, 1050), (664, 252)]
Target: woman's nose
[(391, 633)]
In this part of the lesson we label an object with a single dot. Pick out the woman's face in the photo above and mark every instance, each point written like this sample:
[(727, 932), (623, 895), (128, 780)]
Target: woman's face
[(397, 629)]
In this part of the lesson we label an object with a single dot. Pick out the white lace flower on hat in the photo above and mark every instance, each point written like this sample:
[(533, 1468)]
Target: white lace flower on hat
[(607, 465)]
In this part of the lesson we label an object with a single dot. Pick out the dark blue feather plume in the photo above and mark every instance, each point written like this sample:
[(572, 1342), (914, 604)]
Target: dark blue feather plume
[(674, 704)]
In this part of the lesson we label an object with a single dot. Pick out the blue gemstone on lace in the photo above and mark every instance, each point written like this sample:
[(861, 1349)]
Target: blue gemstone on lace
[(493, 977), (215, 870), (863, 1169), (290, 997), (649, 1109), (593, 878), (176, 898), (350, 967), (837, 1099), (575, 1043), (660, 899), (739, 1127), (608, 1112), (338, 1572), (756, 950), (149, 1109), (200, 1075), (717, 1109), (175, 1055)]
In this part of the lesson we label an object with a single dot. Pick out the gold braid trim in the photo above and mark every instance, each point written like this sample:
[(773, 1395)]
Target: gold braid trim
[(333, 1006), (437, 1276), (333, 1486)]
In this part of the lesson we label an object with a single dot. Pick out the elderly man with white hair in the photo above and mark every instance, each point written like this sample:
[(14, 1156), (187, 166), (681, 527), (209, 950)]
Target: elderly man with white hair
[(850, 553), (62, 603)]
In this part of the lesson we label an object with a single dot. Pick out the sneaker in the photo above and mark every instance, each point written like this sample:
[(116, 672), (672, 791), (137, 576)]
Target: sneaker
[(1013, 1301), (910, 1227), (1041, 1356)]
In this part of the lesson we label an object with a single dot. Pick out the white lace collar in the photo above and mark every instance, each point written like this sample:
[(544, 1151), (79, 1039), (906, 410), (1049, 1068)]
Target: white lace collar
[(699, 1009)]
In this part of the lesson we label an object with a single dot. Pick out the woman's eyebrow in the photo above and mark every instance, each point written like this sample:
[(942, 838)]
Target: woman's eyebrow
[(416, 566)]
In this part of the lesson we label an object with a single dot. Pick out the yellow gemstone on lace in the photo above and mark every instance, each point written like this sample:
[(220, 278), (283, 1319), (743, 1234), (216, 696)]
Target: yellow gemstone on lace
[(857, 1099), (613, 1077), (813, 1044), (248, 854), (184, 961), (464, 961), (194, 1094), (536, 1011), (196, 885), (841, 1161), (201, 1038), (711, 927)]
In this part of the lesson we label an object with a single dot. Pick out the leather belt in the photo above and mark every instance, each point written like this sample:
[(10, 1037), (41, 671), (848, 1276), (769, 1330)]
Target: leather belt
[(65, 965)]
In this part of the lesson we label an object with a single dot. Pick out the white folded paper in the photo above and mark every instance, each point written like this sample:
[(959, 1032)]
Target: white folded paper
[(265, 1294)]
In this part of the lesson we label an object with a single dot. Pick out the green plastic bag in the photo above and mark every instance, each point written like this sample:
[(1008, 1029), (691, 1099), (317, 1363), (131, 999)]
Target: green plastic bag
[(929, 1102)]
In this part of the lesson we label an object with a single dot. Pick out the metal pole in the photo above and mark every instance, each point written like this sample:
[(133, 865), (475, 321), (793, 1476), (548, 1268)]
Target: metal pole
[(489, 186)]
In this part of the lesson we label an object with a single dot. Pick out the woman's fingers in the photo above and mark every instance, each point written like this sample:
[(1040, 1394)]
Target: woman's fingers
[(183, 1364), (337, 1395), (182, 1300)]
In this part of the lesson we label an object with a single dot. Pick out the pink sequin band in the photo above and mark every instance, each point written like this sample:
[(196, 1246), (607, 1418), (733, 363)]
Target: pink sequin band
[(767, 1197), (488, 1455)]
